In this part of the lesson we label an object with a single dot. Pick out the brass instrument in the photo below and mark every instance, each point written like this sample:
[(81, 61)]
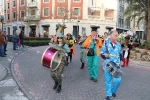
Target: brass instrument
[(95, 40)]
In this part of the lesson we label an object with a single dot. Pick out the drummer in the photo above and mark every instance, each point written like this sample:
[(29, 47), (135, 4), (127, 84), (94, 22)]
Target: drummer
[(56, 75)]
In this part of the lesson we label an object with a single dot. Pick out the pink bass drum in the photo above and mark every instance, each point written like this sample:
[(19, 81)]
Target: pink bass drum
[(51, 58)]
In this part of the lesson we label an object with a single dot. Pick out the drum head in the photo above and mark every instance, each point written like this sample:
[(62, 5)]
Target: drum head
[(56, 60)]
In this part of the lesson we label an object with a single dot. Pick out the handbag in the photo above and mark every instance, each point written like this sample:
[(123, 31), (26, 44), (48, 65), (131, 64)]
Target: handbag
[(91, 51)]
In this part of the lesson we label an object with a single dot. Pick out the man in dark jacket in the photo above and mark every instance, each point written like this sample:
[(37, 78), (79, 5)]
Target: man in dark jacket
[(21, 36)]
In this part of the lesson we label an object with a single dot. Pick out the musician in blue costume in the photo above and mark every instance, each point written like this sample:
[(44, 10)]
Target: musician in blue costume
[(115, 55)]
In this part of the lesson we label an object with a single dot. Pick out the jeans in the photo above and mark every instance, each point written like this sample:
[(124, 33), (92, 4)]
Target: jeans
[(1, 50)]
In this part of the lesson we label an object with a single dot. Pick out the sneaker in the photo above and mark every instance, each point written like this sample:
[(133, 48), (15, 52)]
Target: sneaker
[(114, 95), (107, 98)]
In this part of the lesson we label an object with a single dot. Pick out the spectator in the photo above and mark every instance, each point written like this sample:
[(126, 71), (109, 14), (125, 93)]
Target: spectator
[(2, 43), (21, 37), (15, 41)]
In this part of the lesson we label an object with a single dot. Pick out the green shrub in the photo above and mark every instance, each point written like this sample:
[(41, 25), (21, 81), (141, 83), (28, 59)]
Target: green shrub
[(147, 45), (34, 43)]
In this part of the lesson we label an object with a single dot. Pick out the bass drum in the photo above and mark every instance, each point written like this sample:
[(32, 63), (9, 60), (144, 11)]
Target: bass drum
[(51, 58)]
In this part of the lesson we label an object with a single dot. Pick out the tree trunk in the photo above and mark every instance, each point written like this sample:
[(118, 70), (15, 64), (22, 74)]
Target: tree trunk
[(148, 31)]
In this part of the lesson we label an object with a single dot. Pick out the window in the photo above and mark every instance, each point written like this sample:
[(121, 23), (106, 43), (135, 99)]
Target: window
[(76, 11), (14, 15), (22, 14), (8, 5), (76, 0), (61, 12), (21, 2), (32, 12), (8, 16), (46, 1), (46, 11), (32, 0), (61, 0), (14, 3)]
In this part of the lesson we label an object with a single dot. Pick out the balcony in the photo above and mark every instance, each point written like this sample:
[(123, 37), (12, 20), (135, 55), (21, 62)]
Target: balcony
[(32, 5), (32, 18)]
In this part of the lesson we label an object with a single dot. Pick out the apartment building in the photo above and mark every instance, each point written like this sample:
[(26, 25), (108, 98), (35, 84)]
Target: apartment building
[(122, 26), (1, 14), (39, 17)]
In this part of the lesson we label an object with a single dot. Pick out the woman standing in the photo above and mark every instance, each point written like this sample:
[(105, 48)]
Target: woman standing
[(126, 47)]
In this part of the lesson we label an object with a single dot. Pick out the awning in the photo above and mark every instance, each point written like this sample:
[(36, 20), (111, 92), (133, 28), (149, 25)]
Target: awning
[(108, 27), (94, 26), (45, 25)]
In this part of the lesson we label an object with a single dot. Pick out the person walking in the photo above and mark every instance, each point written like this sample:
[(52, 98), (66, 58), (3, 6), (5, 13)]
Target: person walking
[(21, 37), (2, 43), (93, 42), (6, 40), (15, 41), (56, 74), (82, 50), (111, 52)]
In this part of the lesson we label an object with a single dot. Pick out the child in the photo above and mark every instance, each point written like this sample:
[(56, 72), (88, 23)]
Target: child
[(56, 75)]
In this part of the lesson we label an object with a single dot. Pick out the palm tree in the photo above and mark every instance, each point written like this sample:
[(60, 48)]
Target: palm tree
[(137, 9)]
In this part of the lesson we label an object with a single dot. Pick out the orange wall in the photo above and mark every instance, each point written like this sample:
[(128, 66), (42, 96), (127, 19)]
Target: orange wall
[(78, 5), (60, 4), (46, 5)]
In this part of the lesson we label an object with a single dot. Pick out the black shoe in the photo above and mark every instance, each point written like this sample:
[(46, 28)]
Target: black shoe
[(114, 95), (55, 86), (95, 80), (59, 89), (82, 66), (107, 98), (5, 50), (5, 54)]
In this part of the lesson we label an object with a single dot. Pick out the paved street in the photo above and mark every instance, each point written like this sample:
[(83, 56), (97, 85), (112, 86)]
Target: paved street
[(36, 83), (27, 79)]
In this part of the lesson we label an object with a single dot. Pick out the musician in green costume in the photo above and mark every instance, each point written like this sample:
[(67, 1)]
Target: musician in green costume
[(82, 50)]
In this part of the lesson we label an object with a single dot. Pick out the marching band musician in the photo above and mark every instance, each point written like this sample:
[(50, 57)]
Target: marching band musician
[(115, 55), (70, 43), (56, 75), (82, 50), (94, 42)]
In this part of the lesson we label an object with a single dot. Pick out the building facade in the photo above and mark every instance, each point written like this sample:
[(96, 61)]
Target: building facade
[(1, 14), (122, 26), (39, 17)]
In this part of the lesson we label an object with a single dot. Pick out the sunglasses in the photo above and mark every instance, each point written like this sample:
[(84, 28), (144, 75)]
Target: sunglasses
[(59, 37)]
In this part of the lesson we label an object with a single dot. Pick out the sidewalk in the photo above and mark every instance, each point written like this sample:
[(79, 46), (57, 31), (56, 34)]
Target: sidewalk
[(3, 71), (9, 89)]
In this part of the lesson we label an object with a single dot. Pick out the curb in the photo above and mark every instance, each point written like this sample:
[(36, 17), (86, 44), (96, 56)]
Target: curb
[(17, 80), (4, 71), (140, 63)]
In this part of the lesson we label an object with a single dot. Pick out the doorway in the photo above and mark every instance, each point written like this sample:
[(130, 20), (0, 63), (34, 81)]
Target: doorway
[(33, 31), (75, 31)]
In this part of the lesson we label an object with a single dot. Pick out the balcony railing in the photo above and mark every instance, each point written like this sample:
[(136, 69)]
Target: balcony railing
[(32, 4), (32, 18)]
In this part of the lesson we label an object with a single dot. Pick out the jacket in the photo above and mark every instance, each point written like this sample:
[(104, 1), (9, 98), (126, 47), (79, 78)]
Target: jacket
[(98, 45)]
